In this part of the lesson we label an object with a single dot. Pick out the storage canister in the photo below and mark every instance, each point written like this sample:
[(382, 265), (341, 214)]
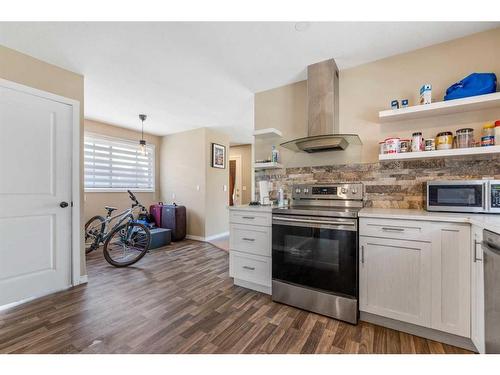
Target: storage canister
[(405, 145), (392, 145), (497, 132), (444, 141), (381, 146), (487, 140), (489, 130), (417, 142), (430, 145), (465, 138)]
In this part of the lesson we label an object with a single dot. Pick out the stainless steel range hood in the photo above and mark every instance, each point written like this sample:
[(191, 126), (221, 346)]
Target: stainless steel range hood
[(323, 112)]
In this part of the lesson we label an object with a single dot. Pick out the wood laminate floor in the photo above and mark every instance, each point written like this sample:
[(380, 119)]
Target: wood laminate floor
[(180, 299)]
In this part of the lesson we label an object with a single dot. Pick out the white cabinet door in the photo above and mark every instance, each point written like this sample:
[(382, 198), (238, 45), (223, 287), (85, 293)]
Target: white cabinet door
[(477, 290), (35, 177), (451, 255), (395, 279)]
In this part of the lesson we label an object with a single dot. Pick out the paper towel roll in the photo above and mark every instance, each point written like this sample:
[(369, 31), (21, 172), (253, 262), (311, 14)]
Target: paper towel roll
[(264, 192)]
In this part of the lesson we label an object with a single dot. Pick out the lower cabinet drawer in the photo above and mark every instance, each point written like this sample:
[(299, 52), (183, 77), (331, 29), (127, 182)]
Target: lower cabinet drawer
[(413, 230), (250, 217), (248, 267), (250, 239)]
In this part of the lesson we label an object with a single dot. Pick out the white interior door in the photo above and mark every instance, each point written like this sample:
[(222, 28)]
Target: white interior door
[(35, 177)]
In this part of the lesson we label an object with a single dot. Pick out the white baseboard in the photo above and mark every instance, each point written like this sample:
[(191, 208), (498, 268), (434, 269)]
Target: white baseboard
[(84, 279), (196, 238), (207, 239), (216, 236)]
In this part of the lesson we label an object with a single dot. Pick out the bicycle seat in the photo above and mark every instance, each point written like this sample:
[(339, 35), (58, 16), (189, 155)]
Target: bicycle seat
[(110, 209)]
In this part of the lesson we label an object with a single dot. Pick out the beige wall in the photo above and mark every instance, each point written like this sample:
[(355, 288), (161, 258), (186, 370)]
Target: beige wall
[(217, 198), (185, 172), (245, 153), (369, 88), (26, 70), (182, 174), (95, 201)]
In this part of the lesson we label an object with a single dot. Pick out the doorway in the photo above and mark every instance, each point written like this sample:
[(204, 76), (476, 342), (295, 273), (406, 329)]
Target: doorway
[(235, 180)]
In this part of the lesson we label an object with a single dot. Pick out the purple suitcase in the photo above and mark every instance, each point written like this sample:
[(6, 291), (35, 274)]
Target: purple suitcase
[(174, 217)]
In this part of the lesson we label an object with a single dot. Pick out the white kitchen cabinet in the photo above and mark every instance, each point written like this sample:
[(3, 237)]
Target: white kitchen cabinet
[(395, 279), (418, 272), (250, 247), (477, 290), (451, 278)]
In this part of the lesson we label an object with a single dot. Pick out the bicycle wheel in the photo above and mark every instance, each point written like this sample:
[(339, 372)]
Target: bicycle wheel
[(127, 244), (93, 230)]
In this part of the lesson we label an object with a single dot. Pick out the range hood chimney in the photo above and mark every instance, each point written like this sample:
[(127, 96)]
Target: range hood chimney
[(323, 112)]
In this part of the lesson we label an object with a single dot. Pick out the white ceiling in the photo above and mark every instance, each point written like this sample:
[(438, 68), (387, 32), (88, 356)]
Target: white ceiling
[(190, 75)]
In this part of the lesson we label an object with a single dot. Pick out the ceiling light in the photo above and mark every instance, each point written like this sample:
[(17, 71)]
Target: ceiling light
[(142, 142)]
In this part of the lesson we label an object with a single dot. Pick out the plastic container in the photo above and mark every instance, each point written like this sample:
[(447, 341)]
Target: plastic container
[(444, 141), (497, 132), (274, 155), (465, 138), (405, 145), (488, 130), (381, 146), (392, 145), (430, 144), (487, 140), (417, 142)]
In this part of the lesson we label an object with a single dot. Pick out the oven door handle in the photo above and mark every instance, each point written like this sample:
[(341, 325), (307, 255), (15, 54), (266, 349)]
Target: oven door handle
[(314, 221)]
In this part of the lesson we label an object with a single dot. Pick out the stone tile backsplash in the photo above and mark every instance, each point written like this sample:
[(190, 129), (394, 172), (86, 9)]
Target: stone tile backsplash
[(395, 184)]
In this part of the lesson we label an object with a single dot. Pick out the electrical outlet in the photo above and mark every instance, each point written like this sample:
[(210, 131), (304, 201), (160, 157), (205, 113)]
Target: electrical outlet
[(198, 187), (224, 187), (244, 188), (173, 195)]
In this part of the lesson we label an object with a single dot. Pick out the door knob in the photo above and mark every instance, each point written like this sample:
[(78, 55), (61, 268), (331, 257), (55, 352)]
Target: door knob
[(64, 204)]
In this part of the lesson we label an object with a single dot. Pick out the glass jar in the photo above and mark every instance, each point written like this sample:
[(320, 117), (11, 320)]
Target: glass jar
[(417, 142), (465, 138), (489, 130), (444, 141)]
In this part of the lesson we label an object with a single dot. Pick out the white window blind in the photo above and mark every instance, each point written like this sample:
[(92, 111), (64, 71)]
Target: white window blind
[(113, 164)]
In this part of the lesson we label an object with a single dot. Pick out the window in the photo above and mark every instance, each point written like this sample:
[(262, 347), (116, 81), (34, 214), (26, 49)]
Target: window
[(113, 164)]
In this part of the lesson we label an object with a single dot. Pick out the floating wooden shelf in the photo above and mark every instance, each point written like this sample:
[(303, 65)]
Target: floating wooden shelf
[(472, 103), (441, 153), (268, 133), (269, 165)]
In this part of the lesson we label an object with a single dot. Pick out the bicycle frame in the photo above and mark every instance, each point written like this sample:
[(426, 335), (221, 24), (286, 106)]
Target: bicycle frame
[(121, 217)]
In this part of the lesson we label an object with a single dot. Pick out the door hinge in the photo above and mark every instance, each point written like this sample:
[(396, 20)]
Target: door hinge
[(71, 203)]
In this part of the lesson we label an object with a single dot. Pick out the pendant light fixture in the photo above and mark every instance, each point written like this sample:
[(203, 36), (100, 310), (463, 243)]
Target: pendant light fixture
[(142, 142)]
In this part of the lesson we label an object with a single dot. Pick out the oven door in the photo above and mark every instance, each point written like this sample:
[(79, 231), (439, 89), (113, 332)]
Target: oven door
[(316, 252), (460, 196)]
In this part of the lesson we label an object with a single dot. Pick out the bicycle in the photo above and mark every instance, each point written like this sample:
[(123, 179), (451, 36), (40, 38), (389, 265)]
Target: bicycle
[(127, 241)]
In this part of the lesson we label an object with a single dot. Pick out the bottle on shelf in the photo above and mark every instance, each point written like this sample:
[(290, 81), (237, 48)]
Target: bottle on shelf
[(274, 155)]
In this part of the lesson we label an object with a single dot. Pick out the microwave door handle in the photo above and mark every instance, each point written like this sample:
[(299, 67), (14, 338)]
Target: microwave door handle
[(485, 196)]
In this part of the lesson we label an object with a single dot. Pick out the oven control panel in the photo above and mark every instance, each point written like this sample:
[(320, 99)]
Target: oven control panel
[(329, 191)]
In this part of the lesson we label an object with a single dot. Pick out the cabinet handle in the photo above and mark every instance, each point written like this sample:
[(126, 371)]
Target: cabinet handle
[(249, 217), (476, 259), (362, 255), (393, 229), (248, 239), (249, 268)]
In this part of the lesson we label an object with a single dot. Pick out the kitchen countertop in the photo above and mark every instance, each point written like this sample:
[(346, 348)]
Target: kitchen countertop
[(485, 221)]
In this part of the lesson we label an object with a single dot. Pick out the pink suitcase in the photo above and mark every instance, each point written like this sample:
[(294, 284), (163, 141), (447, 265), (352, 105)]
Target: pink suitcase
[(155, 211)]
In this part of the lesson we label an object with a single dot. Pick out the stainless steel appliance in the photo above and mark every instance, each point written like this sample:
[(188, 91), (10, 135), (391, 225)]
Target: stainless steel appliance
[(491, 260), (315, 250), (479, 196)]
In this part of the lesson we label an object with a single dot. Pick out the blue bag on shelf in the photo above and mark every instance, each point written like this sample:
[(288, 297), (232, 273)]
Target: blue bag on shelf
[(472, 85)]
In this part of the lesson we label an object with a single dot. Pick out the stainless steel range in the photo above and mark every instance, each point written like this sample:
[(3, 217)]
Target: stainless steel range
[(315, 250)]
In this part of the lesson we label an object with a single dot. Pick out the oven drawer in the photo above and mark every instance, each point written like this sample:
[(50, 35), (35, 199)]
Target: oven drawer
[(413, 230), (249, 217), (248, 267), (251, 239)]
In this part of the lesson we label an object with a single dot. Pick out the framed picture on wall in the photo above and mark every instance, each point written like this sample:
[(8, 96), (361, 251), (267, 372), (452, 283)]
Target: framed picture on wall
[(218, 156)]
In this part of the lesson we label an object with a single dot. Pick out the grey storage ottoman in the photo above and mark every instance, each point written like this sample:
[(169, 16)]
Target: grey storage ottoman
[(160, 237)]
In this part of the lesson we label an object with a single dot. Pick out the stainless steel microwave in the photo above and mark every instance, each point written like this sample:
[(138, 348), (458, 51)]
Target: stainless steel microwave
[(480, 196)]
